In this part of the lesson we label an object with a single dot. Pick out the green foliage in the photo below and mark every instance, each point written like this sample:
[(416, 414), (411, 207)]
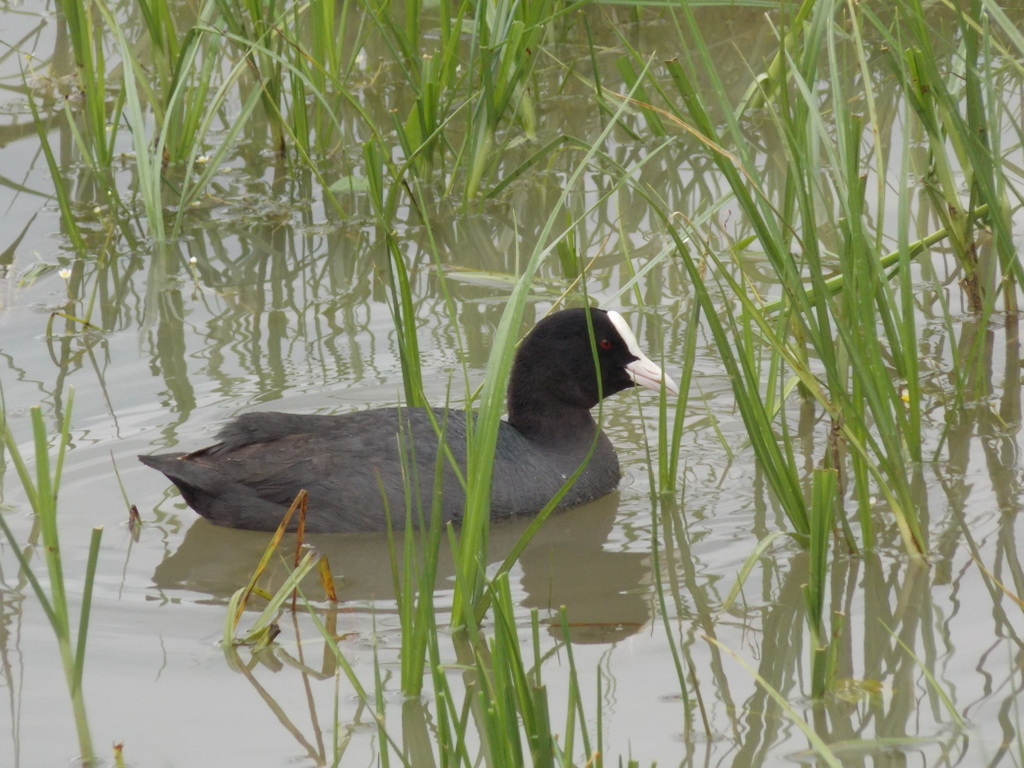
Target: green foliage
[(41, 485), (290, 67), (822, 329)]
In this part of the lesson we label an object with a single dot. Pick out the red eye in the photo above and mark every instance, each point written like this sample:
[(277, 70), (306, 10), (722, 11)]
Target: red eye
[(604, 344)]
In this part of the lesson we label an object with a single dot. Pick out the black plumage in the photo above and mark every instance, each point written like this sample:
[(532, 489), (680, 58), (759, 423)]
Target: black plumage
[(350, 463)]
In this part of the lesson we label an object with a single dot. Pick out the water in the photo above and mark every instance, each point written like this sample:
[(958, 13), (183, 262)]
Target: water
[(273, 301)]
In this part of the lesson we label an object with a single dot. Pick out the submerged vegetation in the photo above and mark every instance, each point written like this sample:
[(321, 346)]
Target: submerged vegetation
[(853, 181)]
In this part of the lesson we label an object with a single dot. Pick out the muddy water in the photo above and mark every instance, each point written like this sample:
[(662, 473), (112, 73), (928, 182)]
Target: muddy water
[(274, 301)]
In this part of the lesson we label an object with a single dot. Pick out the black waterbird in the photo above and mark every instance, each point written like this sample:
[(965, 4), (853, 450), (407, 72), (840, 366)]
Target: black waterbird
[(348, 463)]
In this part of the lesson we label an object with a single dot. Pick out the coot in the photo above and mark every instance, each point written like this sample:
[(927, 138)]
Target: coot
[(351, 462)]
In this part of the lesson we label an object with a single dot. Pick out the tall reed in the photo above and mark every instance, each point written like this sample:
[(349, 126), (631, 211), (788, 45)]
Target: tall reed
[(41, 485), (95, 135), (820, 331), (955, 110)]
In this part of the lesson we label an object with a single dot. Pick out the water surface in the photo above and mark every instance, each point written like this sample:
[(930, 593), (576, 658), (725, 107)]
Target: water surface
[(272, 300)]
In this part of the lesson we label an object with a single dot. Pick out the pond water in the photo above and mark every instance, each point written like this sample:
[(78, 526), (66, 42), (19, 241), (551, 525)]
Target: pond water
[(272, 300)]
